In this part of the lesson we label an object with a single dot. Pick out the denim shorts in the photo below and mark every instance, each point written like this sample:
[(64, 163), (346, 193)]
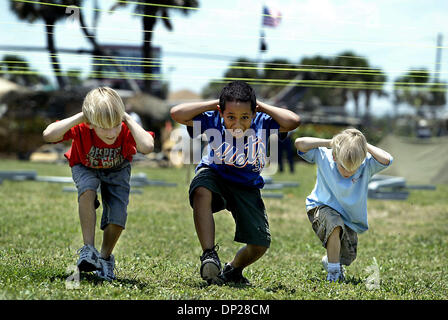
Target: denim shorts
[(324, 220), (114, 186), (245, 204)]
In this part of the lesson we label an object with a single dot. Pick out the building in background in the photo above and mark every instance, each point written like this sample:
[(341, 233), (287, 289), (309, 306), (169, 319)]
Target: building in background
[(131, 64)]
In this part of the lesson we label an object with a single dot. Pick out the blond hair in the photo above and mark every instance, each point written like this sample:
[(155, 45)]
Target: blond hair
[(103, 108), (349, 148)]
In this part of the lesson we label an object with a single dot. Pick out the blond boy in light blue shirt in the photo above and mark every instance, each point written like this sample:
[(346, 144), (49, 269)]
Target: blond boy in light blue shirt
[(337, 206)]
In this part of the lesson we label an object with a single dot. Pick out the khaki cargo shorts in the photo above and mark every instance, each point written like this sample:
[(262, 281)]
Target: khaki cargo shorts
[(323, 220)]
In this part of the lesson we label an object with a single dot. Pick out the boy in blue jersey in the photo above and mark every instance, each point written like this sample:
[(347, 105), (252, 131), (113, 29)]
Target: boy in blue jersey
[(337, 206), (237, 127)]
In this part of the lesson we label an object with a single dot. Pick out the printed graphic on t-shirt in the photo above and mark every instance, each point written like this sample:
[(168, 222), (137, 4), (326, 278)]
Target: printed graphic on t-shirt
[(104, 157), (254, 154)]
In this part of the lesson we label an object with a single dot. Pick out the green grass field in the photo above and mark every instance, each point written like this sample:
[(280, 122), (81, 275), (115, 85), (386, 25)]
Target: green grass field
[(158, 253)]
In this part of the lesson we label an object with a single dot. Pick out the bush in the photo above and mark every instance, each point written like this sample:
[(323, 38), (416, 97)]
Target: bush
[(21, 135)]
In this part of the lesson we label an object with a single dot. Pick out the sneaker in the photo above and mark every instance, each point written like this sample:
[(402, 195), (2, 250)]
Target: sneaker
[(335, 277), (210, 265), (325, 265), (106, 271), (88, 259), (232, 274)]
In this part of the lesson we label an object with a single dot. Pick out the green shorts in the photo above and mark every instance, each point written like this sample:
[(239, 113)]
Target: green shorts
[(245, 204), (324, 220)]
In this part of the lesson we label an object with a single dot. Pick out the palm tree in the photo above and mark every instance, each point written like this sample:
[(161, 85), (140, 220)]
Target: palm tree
[(320, 95), (18, 70), (50, 14), (415, 89), (411, 88), (379, 78), (241, 68), (98, 49), (278, 68), (149, 13), (350, 60)]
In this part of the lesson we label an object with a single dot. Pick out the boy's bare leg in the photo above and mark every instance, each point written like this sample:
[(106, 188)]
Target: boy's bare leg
[(87, 216), (248, 255), (110, 237), (334, 245), (203, 217)]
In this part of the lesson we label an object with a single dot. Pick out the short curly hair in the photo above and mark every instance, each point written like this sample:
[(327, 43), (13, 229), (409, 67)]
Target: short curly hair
[(349, 148), (238, 91)]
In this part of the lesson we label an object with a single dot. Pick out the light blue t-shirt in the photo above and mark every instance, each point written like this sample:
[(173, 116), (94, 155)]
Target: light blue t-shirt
[(348, 196)]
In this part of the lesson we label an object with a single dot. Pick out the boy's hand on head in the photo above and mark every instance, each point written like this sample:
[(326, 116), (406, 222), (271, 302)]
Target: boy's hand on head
[(126, 117), (259, 108), (83, 118)]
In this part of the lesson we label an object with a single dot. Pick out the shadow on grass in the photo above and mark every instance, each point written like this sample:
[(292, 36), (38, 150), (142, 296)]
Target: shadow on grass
[(238, 285), (203, 285), (95, 280), (354, 281), (280, 288), (348, 280)]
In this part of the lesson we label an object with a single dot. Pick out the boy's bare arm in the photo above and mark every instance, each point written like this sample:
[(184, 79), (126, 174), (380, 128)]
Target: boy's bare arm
[(143, 139), (379, 154), (56, 130), (287, 119), (305, 144), (185, 112)]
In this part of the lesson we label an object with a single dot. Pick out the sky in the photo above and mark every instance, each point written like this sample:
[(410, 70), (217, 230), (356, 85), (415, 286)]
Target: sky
[(394, 35)]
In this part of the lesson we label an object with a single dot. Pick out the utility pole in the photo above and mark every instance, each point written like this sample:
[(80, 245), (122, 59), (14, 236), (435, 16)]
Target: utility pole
[(438, 58), (262, 46)]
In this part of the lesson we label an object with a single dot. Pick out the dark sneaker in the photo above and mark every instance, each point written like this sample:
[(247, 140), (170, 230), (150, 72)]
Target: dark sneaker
[(232, 274), (88, 259), (210, 265), (107, 269)]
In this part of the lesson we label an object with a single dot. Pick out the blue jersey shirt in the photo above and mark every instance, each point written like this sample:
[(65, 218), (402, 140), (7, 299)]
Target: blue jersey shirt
[(237, 160), (348, 196)]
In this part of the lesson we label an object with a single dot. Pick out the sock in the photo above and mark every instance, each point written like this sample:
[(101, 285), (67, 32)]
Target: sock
[(334, 267)]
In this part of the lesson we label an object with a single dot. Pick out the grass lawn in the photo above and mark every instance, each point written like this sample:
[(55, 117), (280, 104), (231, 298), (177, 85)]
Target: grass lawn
[(158, 253)]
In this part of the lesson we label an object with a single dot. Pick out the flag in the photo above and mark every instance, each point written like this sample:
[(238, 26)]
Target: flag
[(271, 16)]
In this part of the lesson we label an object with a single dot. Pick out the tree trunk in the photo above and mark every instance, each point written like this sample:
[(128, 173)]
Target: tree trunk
[(91, 39), (57, 70), (98, 50), (355, 94), (368, 93), (148, 26)]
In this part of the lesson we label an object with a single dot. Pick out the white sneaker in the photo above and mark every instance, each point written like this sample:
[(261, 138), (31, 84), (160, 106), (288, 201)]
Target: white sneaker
[(106, 271), (325, 265), (210, 265), (88, 259), (334, 277)]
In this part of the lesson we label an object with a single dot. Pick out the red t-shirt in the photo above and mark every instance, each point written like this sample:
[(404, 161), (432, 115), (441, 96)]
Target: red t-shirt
[(88, 149)]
